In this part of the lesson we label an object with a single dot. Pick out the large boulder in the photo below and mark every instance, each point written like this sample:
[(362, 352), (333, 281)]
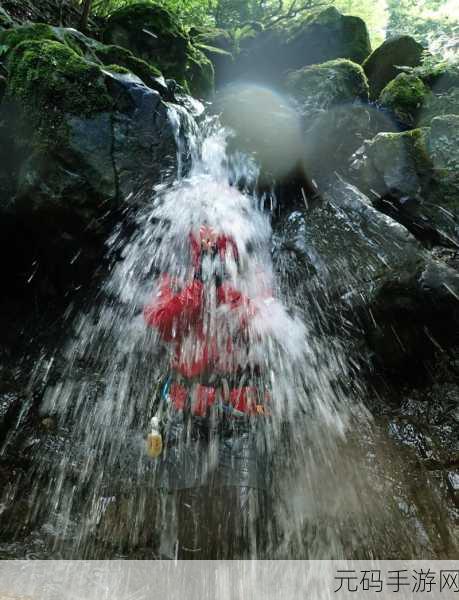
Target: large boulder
[(381, 66), (342, 243), (413, 314), (331, 98), (80, 140), (405, 96), (345, 255), (414, 177), (423, 93), (156, 35), (88, 48), (267, 54), (321, 87)]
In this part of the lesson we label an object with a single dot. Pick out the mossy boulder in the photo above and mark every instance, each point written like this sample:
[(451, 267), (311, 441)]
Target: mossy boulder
[(381, 66), (157, 36), (414, 177), (87, 48), (332, 98), (333, 83), (439, 76), (405, 96), (51, 79), (81, 139), (420, 94), (321, 36)]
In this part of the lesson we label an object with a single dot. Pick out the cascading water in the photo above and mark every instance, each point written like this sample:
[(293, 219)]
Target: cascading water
[(95, 488)]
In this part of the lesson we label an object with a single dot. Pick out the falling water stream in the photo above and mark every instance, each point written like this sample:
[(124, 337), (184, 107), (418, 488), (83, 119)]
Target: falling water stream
[(94, 489)]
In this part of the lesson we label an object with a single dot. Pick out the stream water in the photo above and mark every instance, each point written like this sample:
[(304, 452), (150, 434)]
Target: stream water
[(338, 485)]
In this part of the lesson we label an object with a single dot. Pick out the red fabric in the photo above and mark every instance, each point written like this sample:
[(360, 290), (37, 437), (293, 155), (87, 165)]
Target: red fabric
[(203, 398), (176, 315), (178, 396), (244, 399), (222, 243), (173, 313)]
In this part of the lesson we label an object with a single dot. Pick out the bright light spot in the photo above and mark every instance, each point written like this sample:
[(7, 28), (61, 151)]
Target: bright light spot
[(265, 124)]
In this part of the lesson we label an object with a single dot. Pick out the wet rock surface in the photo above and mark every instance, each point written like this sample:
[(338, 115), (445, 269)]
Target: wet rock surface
[(413, 177)]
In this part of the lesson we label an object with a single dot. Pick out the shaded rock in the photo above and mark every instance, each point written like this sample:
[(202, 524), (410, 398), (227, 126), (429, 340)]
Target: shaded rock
[(335, 121), (84, 139), (381, 66), (321, 87), (343, 243), (405, 96), (439, 104), (414, 313), (413, 176), (321, 36), (156, 35), (218, 46)]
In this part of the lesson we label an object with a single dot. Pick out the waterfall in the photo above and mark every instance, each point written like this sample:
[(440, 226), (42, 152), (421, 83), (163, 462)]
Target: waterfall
[(95, 489)]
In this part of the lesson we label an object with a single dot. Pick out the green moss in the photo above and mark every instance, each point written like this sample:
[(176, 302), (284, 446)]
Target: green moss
[(200, 73), (405, 96), (50, 80), (115, 55), (323, 86), (117, 69), (153, 34), (145, 14), (33, 32), (157, 36)]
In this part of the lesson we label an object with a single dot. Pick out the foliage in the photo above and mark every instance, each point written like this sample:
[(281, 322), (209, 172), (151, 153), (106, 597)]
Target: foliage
[(432, 22), (435, 23)]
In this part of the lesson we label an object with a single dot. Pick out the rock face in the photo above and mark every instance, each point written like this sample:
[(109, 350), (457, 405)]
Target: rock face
[(80, 140), (156, 36), (415, 314), (344, 250), (267, 55), (414, 177), (381, 66), (344, 243)]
